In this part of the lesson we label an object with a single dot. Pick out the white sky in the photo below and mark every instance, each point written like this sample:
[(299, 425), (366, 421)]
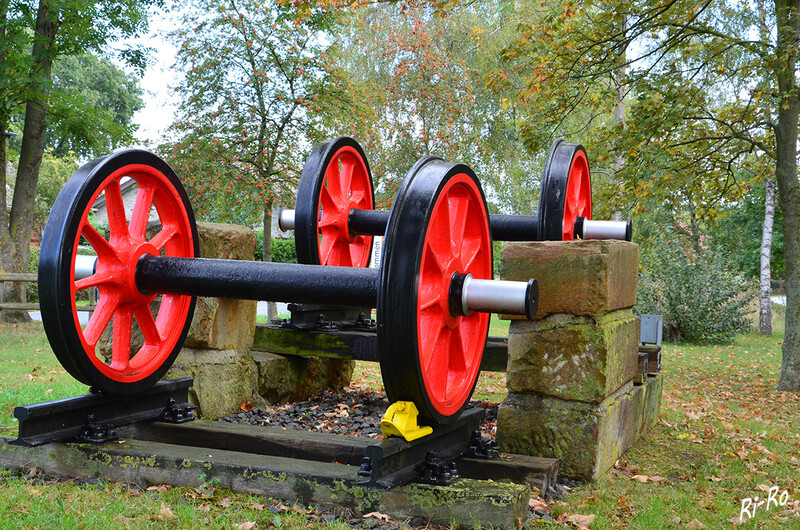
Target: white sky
[(160, 102)]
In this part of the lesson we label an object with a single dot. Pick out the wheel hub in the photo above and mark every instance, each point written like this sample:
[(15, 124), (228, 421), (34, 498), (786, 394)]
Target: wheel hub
[(121, 266)]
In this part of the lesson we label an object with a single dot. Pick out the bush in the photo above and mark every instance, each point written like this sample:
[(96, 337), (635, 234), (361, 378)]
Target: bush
[(31, 288), (283, 250), (702, 302)]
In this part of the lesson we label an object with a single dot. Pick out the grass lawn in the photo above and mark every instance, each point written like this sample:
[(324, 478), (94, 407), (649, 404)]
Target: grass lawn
[(724, 435)]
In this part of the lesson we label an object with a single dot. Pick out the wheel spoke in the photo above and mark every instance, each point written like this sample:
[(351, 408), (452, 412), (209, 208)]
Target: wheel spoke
[(327, 201), (455, 365), (359, 197), (326, 247), (147, 324), (429, 297), (117, 222), (356, 251), (458, 220), (94, 280), (106, 307), (98, 242), (333, 180), (344, 253), (346, 175), (141, 211), (163, 237), (439, 361), (121, 349), (470, 252)]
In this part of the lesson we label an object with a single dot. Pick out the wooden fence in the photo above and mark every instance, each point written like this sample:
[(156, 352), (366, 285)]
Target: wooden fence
[(24, 305)]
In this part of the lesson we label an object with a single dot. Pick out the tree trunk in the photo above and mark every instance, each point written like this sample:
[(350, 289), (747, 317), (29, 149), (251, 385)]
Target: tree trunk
[(16, 246), (619, 119), (788, 28), (272, 307), (764, 301)]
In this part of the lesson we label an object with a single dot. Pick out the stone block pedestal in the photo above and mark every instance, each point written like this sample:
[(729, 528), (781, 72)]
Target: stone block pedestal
[(570, 372), (586, 438)]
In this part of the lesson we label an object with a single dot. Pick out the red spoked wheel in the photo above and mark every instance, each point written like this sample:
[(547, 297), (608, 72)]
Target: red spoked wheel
[(336, 179), (566, 192), (133, 363), (434, 358)]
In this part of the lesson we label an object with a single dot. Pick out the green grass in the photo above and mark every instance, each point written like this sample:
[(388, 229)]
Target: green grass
[(30, 503), (724, 434), (29, 371)]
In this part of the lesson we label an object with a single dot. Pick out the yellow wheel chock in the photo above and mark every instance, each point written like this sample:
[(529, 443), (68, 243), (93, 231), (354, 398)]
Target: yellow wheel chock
[(401, 420)]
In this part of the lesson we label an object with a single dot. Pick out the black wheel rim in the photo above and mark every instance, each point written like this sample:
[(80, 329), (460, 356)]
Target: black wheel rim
[(321, 241), (410, 371), (159, 191), (566, 191)]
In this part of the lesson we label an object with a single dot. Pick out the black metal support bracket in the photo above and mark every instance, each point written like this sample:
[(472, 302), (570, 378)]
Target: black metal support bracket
[(480, 447), (395, 461), (96, 415)]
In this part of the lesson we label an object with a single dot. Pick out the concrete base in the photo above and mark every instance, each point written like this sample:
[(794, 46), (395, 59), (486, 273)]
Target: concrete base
[(586, 438), (466, 502)]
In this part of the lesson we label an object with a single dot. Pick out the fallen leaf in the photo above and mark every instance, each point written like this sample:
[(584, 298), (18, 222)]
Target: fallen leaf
[(536, 504), (581, 521), (161, 489), (249, 525), (256, 506), (34, 492), (225, 503), (246, 406), (736, 520), (378, 515), (762, 487), (694, 523), (715, 479), (166, 513), (205, 507), (641, 478)]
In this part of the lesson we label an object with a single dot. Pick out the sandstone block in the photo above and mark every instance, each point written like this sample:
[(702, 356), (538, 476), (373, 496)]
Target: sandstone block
[(226, 241), (295, 378), (223, 323), (588, 278), (586, 438), (573, 357), (222, 379)]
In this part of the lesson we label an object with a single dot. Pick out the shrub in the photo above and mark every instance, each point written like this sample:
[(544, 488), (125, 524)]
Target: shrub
[(283, 250), (702, 302)]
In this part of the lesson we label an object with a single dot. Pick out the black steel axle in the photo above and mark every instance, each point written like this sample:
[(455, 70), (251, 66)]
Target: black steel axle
[(318, 284), (503, 227), (256, 280)]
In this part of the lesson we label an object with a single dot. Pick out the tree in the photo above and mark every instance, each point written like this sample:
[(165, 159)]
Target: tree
[(421, 72), (253, 74), (34, 35), (92, 107), (745, 97), (764, 301)]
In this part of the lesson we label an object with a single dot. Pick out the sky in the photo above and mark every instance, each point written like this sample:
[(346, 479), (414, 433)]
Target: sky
[(160, 103)]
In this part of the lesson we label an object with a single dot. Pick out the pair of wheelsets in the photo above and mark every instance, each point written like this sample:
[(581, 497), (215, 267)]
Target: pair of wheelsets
[(433, 291), (334, 220)]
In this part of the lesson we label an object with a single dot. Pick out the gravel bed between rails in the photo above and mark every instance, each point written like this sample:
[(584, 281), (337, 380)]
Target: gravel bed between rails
[(348, 412)]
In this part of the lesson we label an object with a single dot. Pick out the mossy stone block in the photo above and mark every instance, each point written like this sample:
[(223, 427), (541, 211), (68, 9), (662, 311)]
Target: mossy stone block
[(223, 379), (589, 278), (573, 357), (283, 379), (586, 438)]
